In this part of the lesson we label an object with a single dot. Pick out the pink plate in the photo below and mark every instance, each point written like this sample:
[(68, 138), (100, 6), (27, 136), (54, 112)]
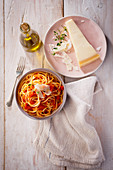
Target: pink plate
[(93, 34)]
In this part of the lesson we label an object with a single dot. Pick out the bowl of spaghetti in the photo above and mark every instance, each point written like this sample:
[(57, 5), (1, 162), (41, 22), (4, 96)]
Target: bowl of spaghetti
[(40, 93)]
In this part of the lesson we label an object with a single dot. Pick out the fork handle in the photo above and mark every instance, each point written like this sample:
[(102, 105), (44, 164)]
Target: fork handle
[(9, 103)]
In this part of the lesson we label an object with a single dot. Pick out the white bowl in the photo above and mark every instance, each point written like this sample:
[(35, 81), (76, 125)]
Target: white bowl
[(64, 96)]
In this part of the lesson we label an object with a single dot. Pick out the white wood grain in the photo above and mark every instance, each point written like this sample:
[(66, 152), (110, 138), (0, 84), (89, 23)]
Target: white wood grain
[(1, 87), (55, 10), (21, 131), (101, 116)]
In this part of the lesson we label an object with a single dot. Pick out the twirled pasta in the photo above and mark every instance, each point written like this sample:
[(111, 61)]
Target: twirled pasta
[(40, 93)]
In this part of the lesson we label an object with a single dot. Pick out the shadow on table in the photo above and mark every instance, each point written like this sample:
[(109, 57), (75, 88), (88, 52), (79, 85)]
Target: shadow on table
[(36, 58)]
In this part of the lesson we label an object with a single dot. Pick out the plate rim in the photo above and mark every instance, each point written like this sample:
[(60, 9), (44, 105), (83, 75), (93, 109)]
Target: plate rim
[(89, 73)]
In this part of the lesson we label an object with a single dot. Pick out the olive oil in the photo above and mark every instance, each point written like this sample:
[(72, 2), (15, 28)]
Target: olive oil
[(29, 38)]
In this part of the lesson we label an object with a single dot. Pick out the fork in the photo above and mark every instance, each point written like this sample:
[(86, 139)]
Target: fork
[(19, 71)]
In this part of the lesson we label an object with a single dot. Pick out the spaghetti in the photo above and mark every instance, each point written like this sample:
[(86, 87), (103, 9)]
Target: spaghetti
[(40, 93)]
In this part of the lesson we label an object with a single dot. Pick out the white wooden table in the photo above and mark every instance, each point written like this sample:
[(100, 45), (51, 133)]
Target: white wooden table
[(18, 132)]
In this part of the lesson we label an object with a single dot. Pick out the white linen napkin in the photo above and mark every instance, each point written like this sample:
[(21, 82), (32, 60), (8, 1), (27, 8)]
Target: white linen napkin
[(67, 139)]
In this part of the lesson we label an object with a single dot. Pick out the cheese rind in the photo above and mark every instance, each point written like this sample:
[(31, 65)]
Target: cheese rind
[(89, 60), (85, 53)]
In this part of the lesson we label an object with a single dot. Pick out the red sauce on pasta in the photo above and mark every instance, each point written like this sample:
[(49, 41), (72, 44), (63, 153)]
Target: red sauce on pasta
[(40, 93)]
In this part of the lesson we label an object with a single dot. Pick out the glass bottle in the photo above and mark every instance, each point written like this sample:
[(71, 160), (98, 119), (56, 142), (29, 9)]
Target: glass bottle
[(29, 38)]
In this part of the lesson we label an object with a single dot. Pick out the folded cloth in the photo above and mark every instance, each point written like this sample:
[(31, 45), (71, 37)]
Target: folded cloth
[(67, 139)]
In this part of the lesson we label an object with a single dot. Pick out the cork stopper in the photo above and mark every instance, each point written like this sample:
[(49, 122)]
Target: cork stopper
[(24, 27)]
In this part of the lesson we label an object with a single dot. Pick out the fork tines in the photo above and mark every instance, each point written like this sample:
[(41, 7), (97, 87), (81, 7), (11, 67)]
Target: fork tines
[(21, 64)]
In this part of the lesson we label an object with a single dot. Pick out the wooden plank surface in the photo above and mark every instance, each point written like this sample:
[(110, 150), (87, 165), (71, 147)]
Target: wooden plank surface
[(20, 131), (55, 13), (1, 87), (101, 116)]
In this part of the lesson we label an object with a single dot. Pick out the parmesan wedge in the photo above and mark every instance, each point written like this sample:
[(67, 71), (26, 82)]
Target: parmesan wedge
[(85, 53)]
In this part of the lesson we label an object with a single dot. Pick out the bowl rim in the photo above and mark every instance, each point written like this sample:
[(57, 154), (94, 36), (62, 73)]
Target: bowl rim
[(64, 96)]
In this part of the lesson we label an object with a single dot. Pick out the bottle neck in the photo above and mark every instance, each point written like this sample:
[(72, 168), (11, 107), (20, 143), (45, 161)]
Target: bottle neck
[(26, 34)]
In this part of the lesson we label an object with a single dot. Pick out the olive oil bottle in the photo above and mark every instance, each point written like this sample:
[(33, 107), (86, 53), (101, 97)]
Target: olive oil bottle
[(29, 39)]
